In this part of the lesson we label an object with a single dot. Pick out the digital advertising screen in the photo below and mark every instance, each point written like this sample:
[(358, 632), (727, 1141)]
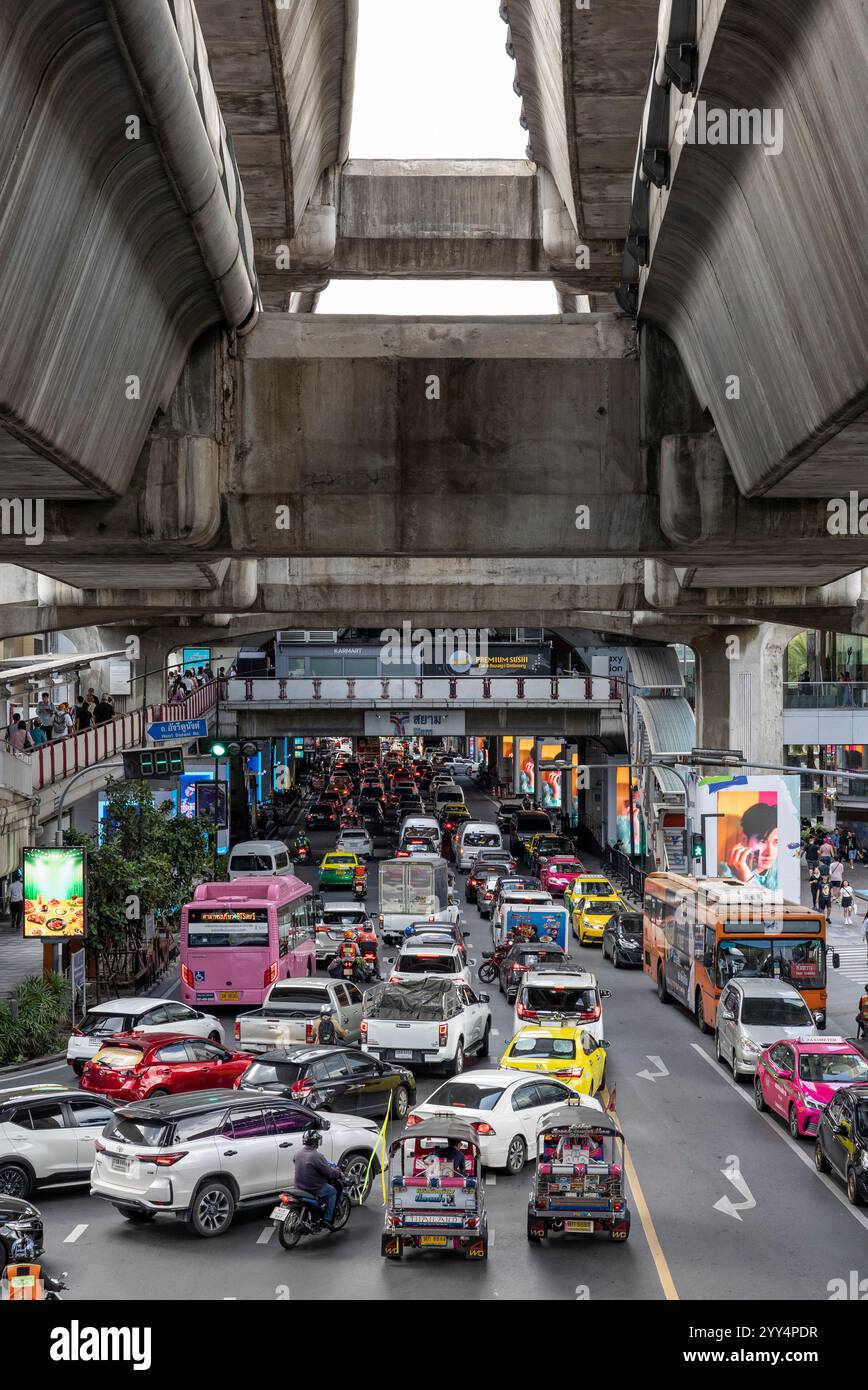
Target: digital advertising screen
[(54, 892)]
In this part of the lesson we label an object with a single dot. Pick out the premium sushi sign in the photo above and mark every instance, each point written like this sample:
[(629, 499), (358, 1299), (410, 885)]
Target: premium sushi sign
[(54, 893)]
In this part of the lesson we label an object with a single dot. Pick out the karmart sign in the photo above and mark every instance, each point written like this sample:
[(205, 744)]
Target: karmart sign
[(392, 725)]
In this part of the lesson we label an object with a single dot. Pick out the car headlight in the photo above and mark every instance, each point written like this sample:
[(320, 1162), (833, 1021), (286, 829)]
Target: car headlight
[(864, 1160), (748, 1046)]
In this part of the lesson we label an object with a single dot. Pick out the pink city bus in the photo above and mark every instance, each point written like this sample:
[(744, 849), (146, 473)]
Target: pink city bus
[(238, 939)]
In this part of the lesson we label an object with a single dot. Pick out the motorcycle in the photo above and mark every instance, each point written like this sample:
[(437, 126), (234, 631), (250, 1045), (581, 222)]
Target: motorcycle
[(360, 890), (301, 853), (300, 1214), (489, 970), (369, 956)]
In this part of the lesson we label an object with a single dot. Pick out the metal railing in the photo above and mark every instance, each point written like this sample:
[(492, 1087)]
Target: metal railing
[(410, 690), (630, 876), (826, 695)]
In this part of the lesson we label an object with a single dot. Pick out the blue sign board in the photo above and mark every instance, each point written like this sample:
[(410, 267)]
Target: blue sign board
[(194, 657), (178, 728)]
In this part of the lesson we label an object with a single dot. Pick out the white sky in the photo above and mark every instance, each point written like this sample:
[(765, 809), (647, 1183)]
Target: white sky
[(433, 81)]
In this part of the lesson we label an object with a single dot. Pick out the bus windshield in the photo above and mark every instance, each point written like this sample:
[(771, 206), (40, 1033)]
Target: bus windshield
[(799, 961)]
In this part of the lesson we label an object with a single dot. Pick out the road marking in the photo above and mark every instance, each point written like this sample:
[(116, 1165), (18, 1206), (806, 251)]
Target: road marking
[(662, 1069), (265, 1235), (74, 1234), (776, 1126), (40, 1071), (491, 1237), (490, 1179), (495, 1032), (664, 1274)]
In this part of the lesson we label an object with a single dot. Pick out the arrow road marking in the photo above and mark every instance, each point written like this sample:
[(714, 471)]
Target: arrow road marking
[(654, 1075), (733, 1174)]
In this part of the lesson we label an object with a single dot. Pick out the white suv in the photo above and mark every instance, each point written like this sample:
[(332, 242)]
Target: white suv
[(145, 1015), (201, 1157), (548, 995), (47, 1135)]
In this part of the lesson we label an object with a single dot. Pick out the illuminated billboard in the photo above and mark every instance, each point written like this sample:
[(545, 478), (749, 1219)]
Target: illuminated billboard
[(54, 892)]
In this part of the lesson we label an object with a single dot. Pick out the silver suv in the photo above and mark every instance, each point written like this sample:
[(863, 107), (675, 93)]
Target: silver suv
[(202, 1157)]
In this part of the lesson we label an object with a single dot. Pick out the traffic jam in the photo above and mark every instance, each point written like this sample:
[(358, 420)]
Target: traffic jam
[(398, 1016)]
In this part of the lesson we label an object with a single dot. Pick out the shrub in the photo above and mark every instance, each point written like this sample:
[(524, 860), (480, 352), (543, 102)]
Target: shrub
[(43, 1020)]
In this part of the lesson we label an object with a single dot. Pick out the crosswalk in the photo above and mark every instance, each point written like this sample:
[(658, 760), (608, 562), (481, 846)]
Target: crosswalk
[(853, 963)]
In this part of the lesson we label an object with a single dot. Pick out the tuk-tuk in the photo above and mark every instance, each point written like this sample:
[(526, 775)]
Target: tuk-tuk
[(435, 1193), (578, 1186)]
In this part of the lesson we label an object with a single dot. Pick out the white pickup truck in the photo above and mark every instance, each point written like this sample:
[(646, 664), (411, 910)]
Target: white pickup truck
[(302, 1011), (427, 1022)]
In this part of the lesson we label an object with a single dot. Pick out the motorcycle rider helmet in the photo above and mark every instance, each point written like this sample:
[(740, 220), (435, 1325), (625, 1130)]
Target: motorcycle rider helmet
[(348, 934), (22, 1251), (311, 1139)]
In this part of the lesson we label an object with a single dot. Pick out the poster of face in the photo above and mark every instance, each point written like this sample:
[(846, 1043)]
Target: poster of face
[(622, 813), (752, 835)]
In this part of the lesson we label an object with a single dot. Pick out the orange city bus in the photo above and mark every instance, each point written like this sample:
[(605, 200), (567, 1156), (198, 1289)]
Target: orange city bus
[(700, 932)]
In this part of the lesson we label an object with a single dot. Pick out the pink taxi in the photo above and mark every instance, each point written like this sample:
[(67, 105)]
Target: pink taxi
[(557, 874), (797, 1077)]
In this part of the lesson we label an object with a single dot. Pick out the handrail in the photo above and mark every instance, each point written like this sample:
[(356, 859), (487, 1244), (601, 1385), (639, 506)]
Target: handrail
[(52, 762), (834, 694)]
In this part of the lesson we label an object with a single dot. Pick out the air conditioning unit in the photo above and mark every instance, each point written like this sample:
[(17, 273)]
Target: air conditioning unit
[(299, 634)]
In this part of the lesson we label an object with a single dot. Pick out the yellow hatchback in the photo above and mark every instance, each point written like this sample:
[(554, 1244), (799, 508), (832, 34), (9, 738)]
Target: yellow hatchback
[(585, 885), (590, 915), (571, 1054)]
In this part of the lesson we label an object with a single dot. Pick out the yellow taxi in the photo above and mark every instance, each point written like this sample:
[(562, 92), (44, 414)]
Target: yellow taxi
[(590, 915), (585, 885), (338, 869), (571, 1054)]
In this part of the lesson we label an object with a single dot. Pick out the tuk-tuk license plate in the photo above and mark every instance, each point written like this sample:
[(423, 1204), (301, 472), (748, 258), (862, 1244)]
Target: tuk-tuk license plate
[(432, 1240), (578, 1225), (280, 1213), (229, 996)]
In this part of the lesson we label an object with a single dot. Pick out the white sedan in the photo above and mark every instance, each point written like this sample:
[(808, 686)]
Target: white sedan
[(145, 1015), (502, 1108), (358, 841)]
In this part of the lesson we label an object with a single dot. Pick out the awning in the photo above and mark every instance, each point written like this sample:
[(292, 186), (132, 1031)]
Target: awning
[(36, 668)]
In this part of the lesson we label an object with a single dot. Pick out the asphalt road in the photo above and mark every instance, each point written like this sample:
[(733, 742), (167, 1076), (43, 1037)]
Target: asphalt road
[(785, 1232)]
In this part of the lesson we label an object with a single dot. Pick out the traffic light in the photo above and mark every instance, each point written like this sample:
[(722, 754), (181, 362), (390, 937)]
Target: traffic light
[(215, 748), (697, 846)]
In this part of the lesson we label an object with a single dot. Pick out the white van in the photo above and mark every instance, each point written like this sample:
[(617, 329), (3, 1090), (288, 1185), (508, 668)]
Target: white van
[(424, 826), (448, 792), (259, 859), (473, 838)]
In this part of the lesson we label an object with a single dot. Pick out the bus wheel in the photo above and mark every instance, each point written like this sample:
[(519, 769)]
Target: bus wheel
[(699, 1015), (662, 992)]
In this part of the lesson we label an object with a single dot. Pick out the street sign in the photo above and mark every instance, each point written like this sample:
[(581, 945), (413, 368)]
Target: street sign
[(178, 728), (393, 725), (76, 968)]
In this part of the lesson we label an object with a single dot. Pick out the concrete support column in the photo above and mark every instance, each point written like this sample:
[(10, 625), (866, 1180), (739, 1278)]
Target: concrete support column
[(739, 690)]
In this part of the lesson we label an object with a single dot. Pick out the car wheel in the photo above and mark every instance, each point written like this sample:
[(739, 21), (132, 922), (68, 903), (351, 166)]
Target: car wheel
[(458, 1060), (160, 1091), (718, 1051), (212, 1209), (616, 959), (516, 1156), (78, 1068), (400, 1102), (138, 1218), (354, 1167), (821, 1162), (759, 1099), (485, 1045), (793, 1123), (853, 1193), (698, 1014), (733, 1063), (15, 1181)]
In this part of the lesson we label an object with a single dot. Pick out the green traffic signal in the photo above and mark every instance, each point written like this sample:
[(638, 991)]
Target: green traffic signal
[(217, 749)]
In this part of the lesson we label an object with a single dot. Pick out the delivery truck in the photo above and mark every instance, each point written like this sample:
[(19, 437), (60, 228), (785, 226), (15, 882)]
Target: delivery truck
[(414, 890)]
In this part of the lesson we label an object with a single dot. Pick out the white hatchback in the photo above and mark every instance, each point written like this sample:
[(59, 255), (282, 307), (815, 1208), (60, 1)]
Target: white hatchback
[(357, 840), (502, 1108), (145, 1015)]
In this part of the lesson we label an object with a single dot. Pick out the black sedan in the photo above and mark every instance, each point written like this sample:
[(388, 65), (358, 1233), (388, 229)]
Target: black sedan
[(19, 1220), (525, 955), (321, 816), (842, 1140), (622, 939), (342, 1079)]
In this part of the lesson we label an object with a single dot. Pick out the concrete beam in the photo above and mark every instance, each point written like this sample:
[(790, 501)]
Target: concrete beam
[(554, 722)]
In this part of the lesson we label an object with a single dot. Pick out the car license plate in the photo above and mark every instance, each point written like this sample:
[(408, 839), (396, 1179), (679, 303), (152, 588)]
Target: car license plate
[(403, 1056), (432, 1240), (578, 1225), (121, 1164), (280, 1213), (229, 996)]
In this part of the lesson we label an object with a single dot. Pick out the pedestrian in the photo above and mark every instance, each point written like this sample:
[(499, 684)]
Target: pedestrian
[(83, 716), (16, 900), (62, 725), (811, 852), (851, 849), (90, 699), (103, 711), (836, 876), (37, 733), (862, 1015), (847, 903), (824, 900), (814, 882), (45, 713), (19, 737)]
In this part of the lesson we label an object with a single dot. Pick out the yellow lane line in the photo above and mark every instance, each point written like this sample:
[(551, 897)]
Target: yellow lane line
[(664, 1274)]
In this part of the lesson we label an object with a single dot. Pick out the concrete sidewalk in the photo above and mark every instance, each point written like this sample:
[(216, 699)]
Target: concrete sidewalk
[(18, 958)]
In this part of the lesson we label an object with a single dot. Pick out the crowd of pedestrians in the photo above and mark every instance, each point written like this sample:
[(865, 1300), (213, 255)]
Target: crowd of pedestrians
[(50, 722), (182, 685), (829, 855)]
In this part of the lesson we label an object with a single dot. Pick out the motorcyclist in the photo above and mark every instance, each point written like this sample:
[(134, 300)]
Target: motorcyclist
[(348, 951), (301, 842), (360, 881), (368, 942), (23, 1278), (315, 1175)]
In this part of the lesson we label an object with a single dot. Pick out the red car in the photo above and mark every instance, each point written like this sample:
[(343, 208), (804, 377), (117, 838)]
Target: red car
[(557, 874), (135, 1066)]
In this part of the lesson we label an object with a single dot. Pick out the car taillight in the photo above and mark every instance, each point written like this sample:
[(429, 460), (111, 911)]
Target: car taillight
[(299, 1089), (237, 1030), (270, 975), (412, 1120), (592, 1015), (482, 1127), (516, 966), (570, 1071), (522, 1012), (187, 976), (77, 1033), (163, 1160), (442, 1034), (363, 1028), (309, 1033)]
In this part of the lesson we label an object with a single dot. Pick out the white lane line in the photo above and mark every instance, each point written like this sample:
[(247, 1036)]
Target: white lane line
[(265, 1235), (491, 1237), (74, 1234), (40, 1071), (490, 1179), (777, 1128)]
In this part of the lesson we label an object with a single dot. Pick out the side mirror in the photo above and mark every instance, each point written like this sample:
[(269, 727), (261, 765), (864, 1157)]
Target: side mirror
[(322, 1123), (605, 994), (785, 1075), (602, 1042), (484, 998)]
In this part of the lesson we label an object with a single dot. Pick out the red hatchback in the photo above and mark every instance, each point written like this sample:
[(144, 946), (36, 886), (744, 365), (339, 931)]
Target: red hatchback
[(135, 1066)]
